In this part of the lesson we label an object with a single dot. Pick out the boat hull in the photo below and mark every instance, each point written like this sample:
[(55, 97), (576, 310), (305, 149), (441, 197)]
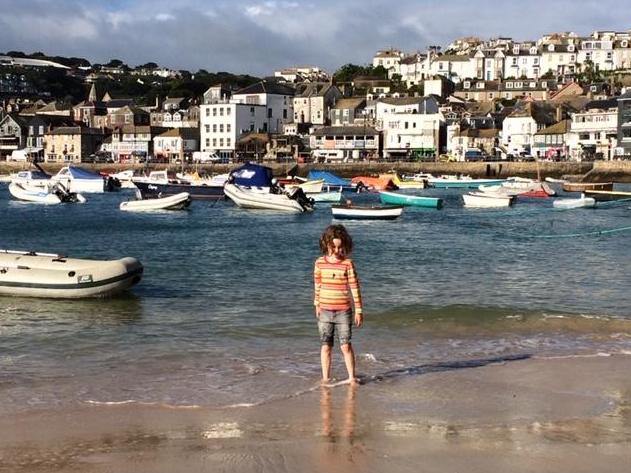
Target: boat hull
[(567, 204), (331, 196), (29, 194), (393, 198), (482, 200), (53, 276), (174, 202), (390, 212), (150, 190), (587, 186), (248, 199), (462, 183)]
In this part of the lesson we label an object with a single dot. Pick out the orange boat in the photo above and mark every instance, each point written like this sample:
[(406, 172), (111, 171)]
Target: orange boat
[(382, 182)]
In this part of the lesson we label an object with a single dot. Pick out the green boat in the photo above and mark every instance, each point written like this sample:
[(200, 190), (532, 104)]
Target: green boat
[(394, 198)]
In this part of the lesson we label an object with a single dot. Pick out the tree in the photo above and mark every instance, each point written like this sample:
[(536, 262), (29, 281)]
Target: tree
[(149, 65), (114, 63), (348, 72)]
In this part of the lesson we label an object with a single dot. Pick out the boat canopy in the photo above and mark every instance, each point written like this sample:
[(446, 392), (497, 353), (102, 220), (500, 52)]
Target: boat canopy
[(328, 177), (252, 175), (80, 173)]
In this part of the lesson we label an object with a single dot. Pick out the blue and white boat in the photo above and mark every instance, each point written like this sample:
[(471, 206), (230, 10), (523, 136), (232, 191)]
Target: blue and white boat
[(332, 180)]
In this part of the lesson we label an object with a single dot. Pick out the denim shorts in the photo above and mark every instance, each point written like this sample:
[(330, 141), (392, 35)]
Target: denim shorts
[(335, 323)]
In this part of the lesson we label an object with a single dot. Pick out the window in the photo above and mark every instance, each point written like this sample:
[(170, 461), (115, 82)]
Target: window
[(228, 141), (269, 113), (221, 128), (221, 142), (207, 142), (214, 128), (228, 128), (207, 127), (405, 125), (284, 113), (514, 61), (228, 110), (509, 85), (214, 112), (207, 112), (214, 142), (252, 112)]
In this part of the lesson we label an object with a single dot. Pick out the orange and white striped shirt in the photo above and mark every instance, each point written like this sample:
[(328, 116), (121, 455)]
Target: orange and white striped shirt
[(335, 282)]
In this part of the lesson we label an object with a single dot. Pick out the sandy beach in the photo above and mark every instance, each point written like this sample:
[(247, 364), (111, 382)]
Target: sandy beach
[(522, 415)]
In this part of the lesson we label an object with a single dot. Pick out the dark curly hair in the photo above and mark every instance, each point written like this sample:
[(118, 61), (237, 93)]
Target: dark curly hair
[(332, 232)]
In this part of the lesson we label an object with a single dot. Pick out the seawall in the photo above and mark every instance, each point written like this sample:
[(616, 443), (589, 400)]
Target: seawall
[(618, 171)]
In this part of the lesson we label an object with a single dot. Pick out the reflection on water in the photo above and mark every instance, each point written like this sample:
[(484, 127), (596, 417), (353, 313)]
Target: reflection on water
[(339, 449)]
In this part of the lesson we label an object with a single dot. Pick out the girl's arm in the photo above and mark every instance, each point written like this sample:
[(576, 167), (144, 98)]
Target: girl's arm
[(353, 283), (317, 283)]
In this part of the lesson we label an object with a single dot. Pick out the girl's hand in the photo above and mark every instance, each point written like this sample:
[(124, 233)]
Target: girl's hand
[(317, 312), (359, 320)]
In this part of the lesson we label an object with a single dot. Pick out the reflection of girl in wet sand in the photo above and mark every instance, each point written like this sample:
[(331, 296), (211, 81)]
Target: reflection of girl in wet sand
[(336, 291)]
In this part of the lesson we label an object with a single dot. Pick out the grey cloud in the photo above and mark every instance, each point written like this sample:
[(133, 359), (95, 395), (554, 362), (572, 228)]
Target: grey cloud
[(222, 35)]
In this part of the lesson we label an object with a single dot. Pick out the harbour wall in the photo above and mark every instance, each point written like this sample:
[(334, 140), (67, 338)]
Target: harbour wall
[(617, 171)]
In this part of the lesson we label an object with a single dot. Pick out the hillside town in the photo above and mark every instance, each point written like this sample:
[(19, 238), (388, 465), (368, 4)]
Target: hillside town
[(562, 97)]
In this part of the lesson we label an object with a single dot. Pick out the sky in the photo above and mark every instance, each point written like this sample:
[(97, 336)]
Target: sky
[(257, 37)]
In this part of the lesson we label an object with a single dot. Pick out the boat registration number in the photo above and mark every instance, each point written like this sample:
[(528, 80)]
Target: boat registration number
[(84, 278)]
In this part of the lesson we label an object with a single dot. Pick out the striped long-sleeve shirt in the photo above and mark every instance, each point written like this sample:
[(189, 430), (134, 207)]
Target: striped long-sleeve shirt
[(335, 283)]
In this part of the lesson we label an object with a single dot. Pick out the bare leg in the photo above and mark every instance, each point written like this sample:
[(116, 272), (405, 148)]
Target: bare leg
[(325, 359), (349, 360)]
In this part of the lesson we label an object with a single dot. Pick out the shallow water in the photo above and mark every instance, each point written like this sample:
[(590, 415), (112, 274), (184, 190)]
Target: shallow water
[(224, 315)]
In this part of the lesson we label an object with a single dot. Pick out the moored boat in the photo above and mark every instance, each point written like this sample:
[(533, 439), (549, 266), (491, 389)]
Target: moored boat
[(567, 204), (587, 186), (328, 196), (76, 179), (174, 202), (49, 275), (485, 200), (252, 187), (153, 190), (459, 181), (353, 212), (331, 180), (395, 198), (382, 182), (56, 194)]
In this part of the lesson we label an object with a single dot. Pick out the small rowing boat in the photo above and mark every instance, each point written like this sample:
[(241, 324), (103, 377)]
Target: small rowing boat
[(352, 212)]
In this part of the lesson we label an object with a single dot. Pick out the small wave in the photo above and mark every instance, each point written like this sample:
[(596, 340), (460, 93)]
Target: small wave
[(565, 357), (142, 403), (368, 357)]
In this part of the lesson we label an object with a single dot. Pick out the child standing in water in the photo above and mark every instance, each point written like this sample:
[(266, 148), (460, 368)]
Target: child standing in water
[(336, 291)]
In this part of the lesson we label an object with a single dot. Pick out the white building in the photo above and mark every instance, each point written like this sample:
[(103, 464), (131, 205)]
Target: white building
[(411, 135), (455, 67), (519, 128), (262, 108), (560, 58), (414, 69), (489, 64), (406, 105), (522, 62), (622, 54), (313, 101), (176, 144), (344, 143), (593, 132), (389, 59), (599, 50)]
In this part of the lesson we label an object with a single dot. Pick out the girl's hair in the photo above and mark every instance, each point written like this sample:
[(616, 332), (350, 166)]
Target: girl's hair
[(332, 232)]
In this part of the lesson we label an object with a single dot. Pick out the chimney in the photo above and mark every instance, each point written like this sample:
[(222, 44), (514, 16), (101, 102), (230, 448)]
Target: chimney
[(559, 113)]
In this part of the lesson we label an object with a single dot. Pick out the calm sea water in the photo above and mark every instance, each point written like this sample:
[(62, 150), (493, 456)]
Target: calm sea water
[(224, 314)]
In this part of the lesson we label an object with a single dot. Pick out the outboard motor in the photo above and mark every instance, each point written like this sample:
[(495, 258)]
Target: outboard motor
[(299, 196), (64, 195)]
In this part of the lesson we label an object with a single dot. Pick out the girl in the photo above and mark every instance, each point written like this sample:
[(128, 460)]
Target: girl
[(336, 291)]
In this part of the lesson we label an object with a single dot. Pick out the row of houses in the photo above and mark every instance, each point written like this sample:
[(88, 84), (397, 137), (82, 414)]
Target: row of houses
[(559, 55), (273, 120)]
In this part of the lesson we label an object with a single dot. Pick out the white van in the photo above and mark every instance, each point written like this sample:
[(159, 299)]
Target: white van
[(206, 157), (18, 155)]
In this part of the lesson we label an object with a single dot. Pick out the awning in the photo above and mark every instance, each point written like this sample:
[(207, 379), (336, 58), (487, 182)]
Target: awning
[(33, 150)]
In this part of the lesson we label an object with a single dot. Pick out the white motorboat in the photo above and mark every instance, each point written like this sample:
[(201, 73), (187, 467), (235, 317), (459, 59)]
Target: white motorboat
[(352, 212), (486, 200), (125, 178), (248, 198), (567, 204), (76, 179), (49, 275), (54, 195), (251, 186), (313, 186), (154, 177), (173, 202), (31, 178), (460, 181)]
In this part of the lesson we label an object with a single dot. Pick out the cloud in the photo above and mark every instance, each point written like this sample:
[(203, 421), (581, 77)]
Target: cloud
[(257, 37)]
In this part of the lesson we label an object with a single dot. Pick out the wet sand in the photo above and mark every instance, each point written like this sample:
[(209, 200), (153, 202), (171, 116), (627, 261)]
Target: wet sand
[(523, 415)]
